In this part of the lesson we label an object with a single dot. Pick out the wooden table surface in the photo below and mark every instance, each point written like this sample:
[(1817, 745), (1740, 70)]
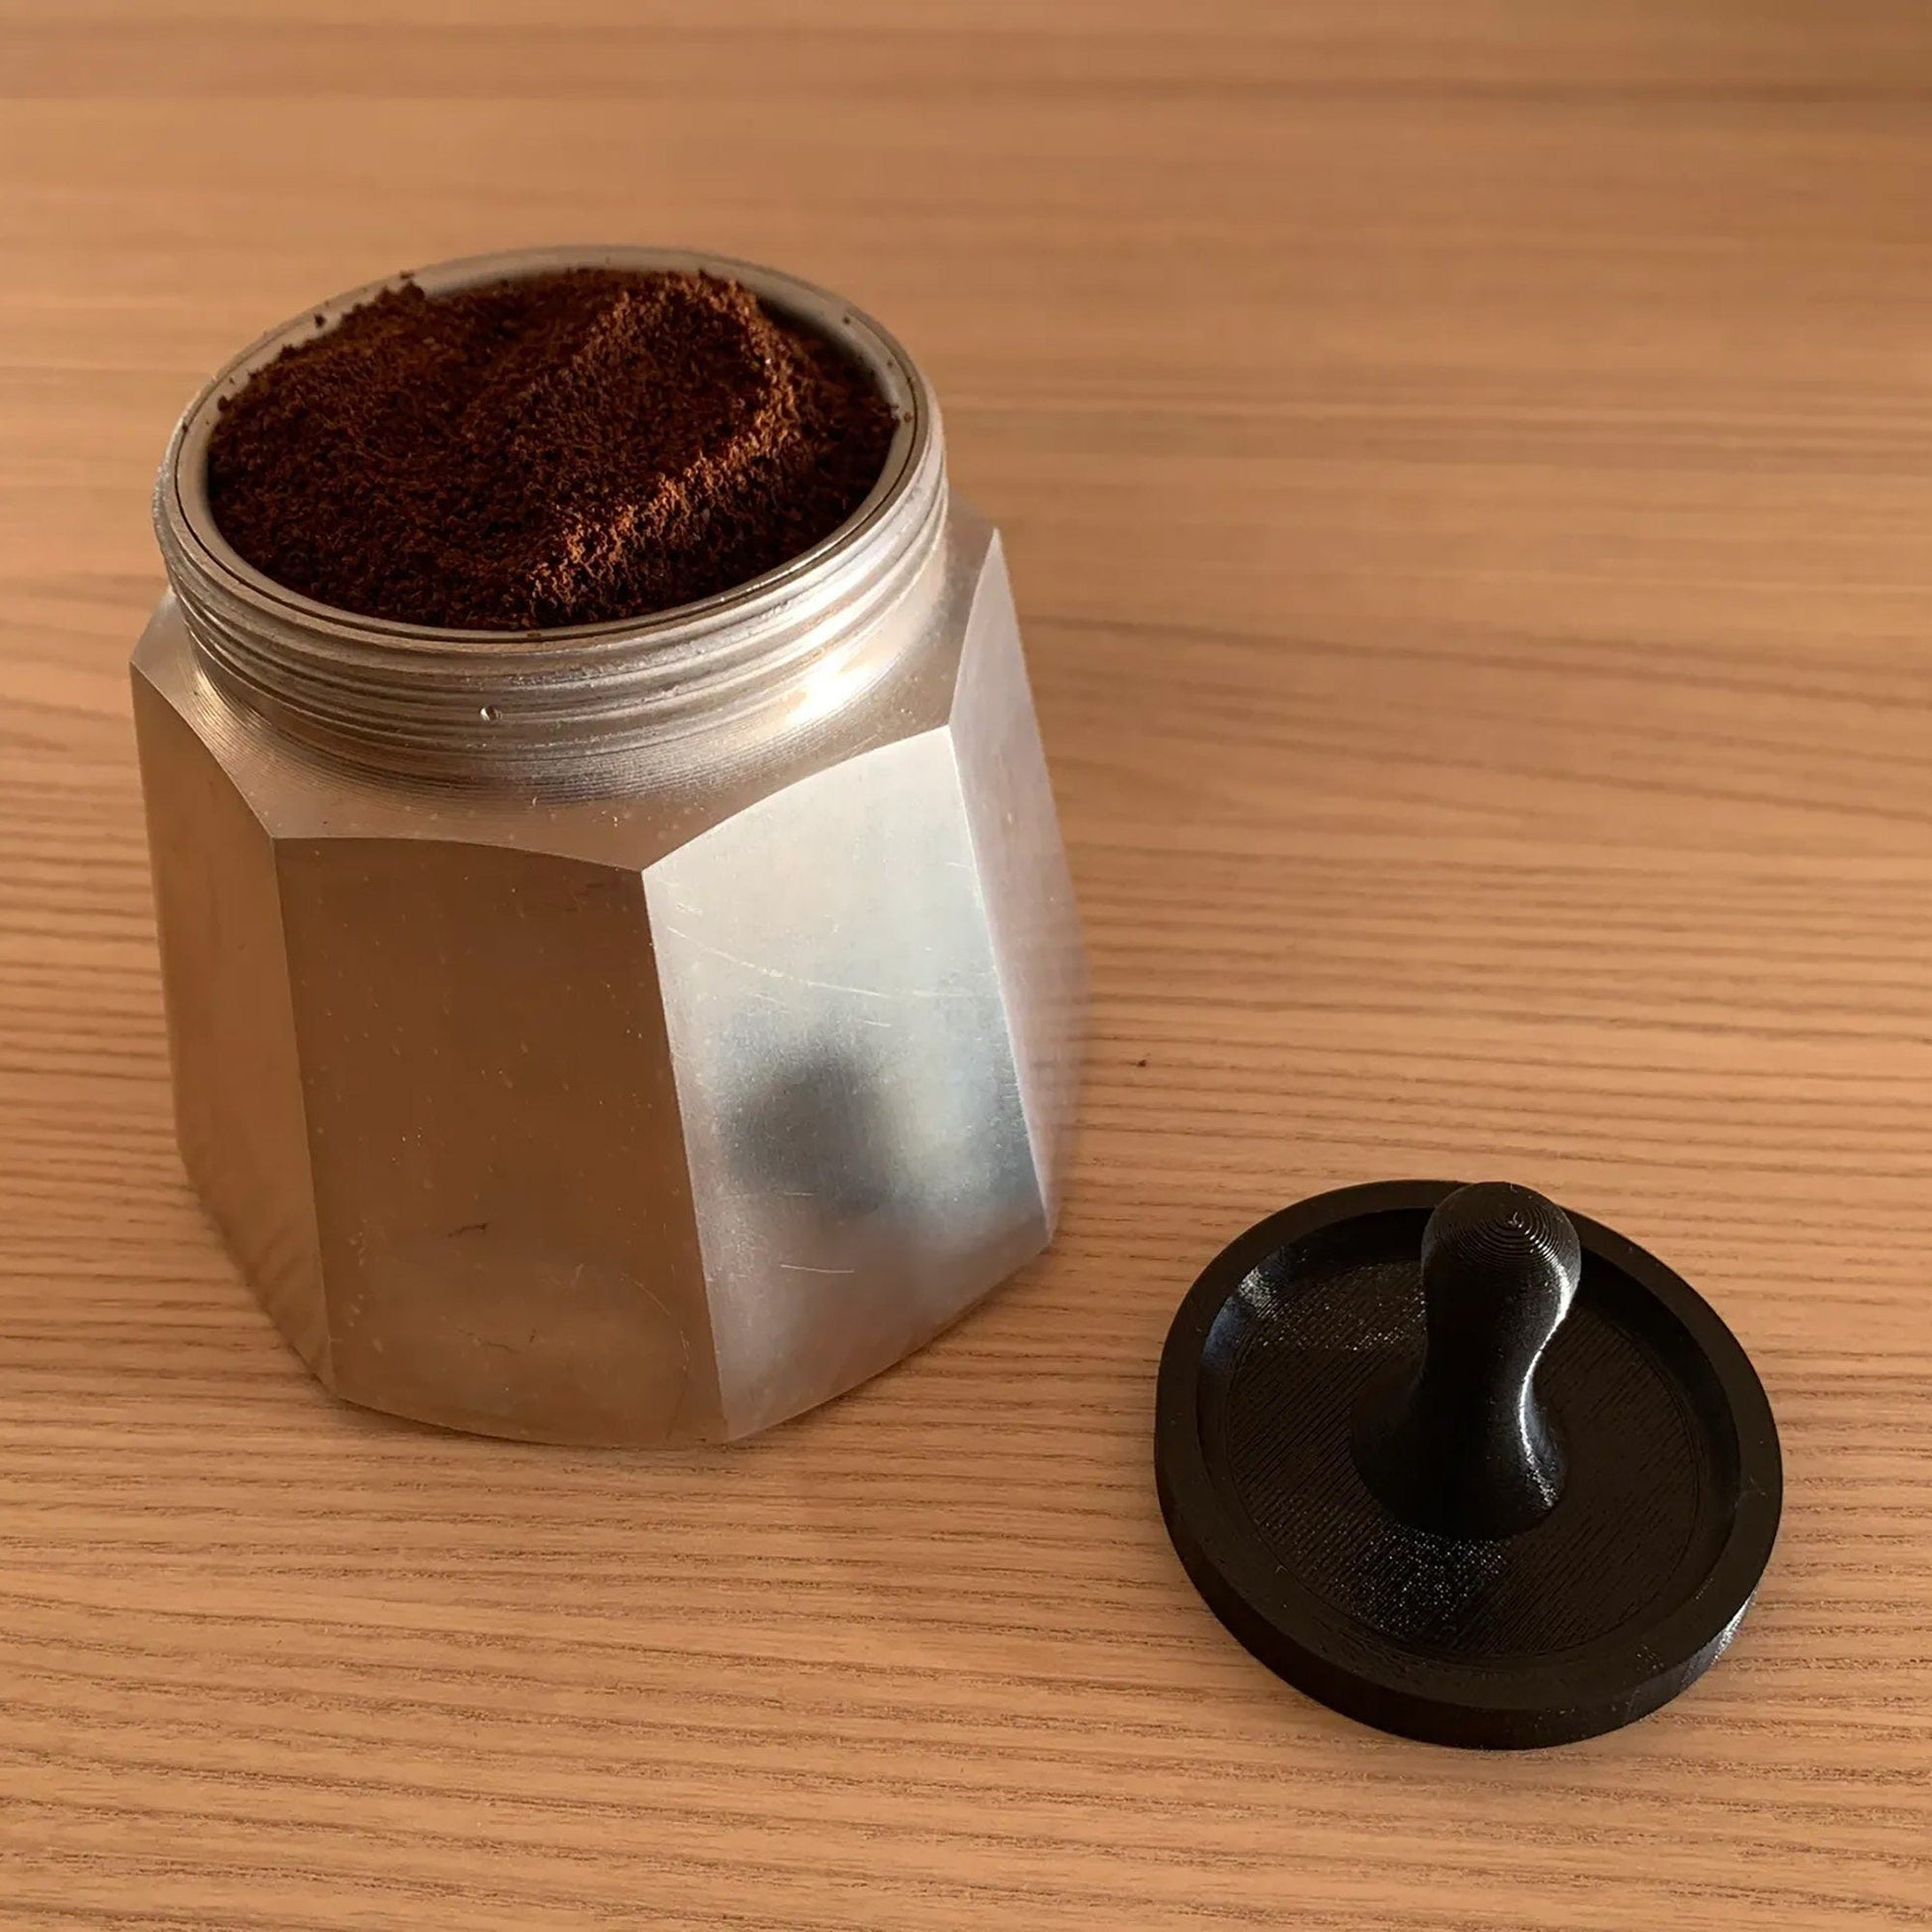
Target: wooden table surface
[(1468, 475)]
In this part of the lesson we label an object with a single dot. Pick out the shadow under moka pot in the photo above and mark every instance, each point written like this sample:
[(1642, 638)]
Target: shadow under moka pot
[(634, 1033)]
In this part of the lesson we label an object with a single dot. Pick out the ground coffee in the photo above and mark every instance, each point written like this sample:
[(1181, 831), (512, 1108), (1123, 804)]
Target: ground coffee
[(571, 447)]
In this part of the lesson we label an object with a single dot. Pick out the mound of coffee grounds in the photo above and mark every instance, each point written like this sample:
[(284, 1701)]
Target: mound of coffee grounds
[(571, 447)]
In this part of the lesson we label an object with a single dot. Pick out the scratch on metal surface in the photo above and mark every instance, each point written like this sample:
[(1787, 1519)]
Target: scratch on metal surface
[(801, 979)]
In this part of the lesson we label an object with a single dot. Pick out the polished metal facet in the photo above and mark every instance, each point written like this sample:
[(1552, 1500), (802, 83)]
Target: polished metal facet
[(632, 1035)]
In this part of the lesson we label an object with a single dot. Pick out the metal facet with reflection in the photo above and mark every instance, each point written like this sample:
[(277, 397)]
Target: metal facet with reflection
[(629, 1035)]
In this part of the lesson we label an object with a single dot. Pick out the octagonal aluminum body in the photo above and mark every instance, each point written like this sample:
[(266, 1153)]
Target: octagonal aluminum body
[(654, 1106)]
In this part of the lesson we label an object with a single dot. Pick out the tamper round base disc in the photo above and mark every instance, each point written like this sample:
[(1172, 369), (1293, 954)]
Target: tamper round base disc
[(1625, 1593)]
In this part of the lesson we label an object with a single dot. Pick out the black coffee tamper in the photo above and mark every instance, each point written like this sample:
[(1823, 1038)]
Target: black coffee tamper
[(1463, 1465)]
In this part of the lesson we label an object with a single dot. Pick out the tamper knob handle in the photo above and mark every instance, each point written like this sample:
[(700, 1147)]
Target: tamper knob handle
[(1454, 1440)]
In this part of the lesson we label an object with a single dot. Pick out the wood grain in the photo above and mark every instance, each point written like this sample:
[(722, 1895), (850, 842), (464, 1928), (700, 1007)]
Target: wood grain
[(1468, 474)]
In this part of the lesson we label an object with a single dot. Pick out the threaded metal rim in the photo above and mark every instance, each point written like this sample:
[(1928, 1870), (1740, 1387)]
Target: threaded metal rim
[(488, 704)]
